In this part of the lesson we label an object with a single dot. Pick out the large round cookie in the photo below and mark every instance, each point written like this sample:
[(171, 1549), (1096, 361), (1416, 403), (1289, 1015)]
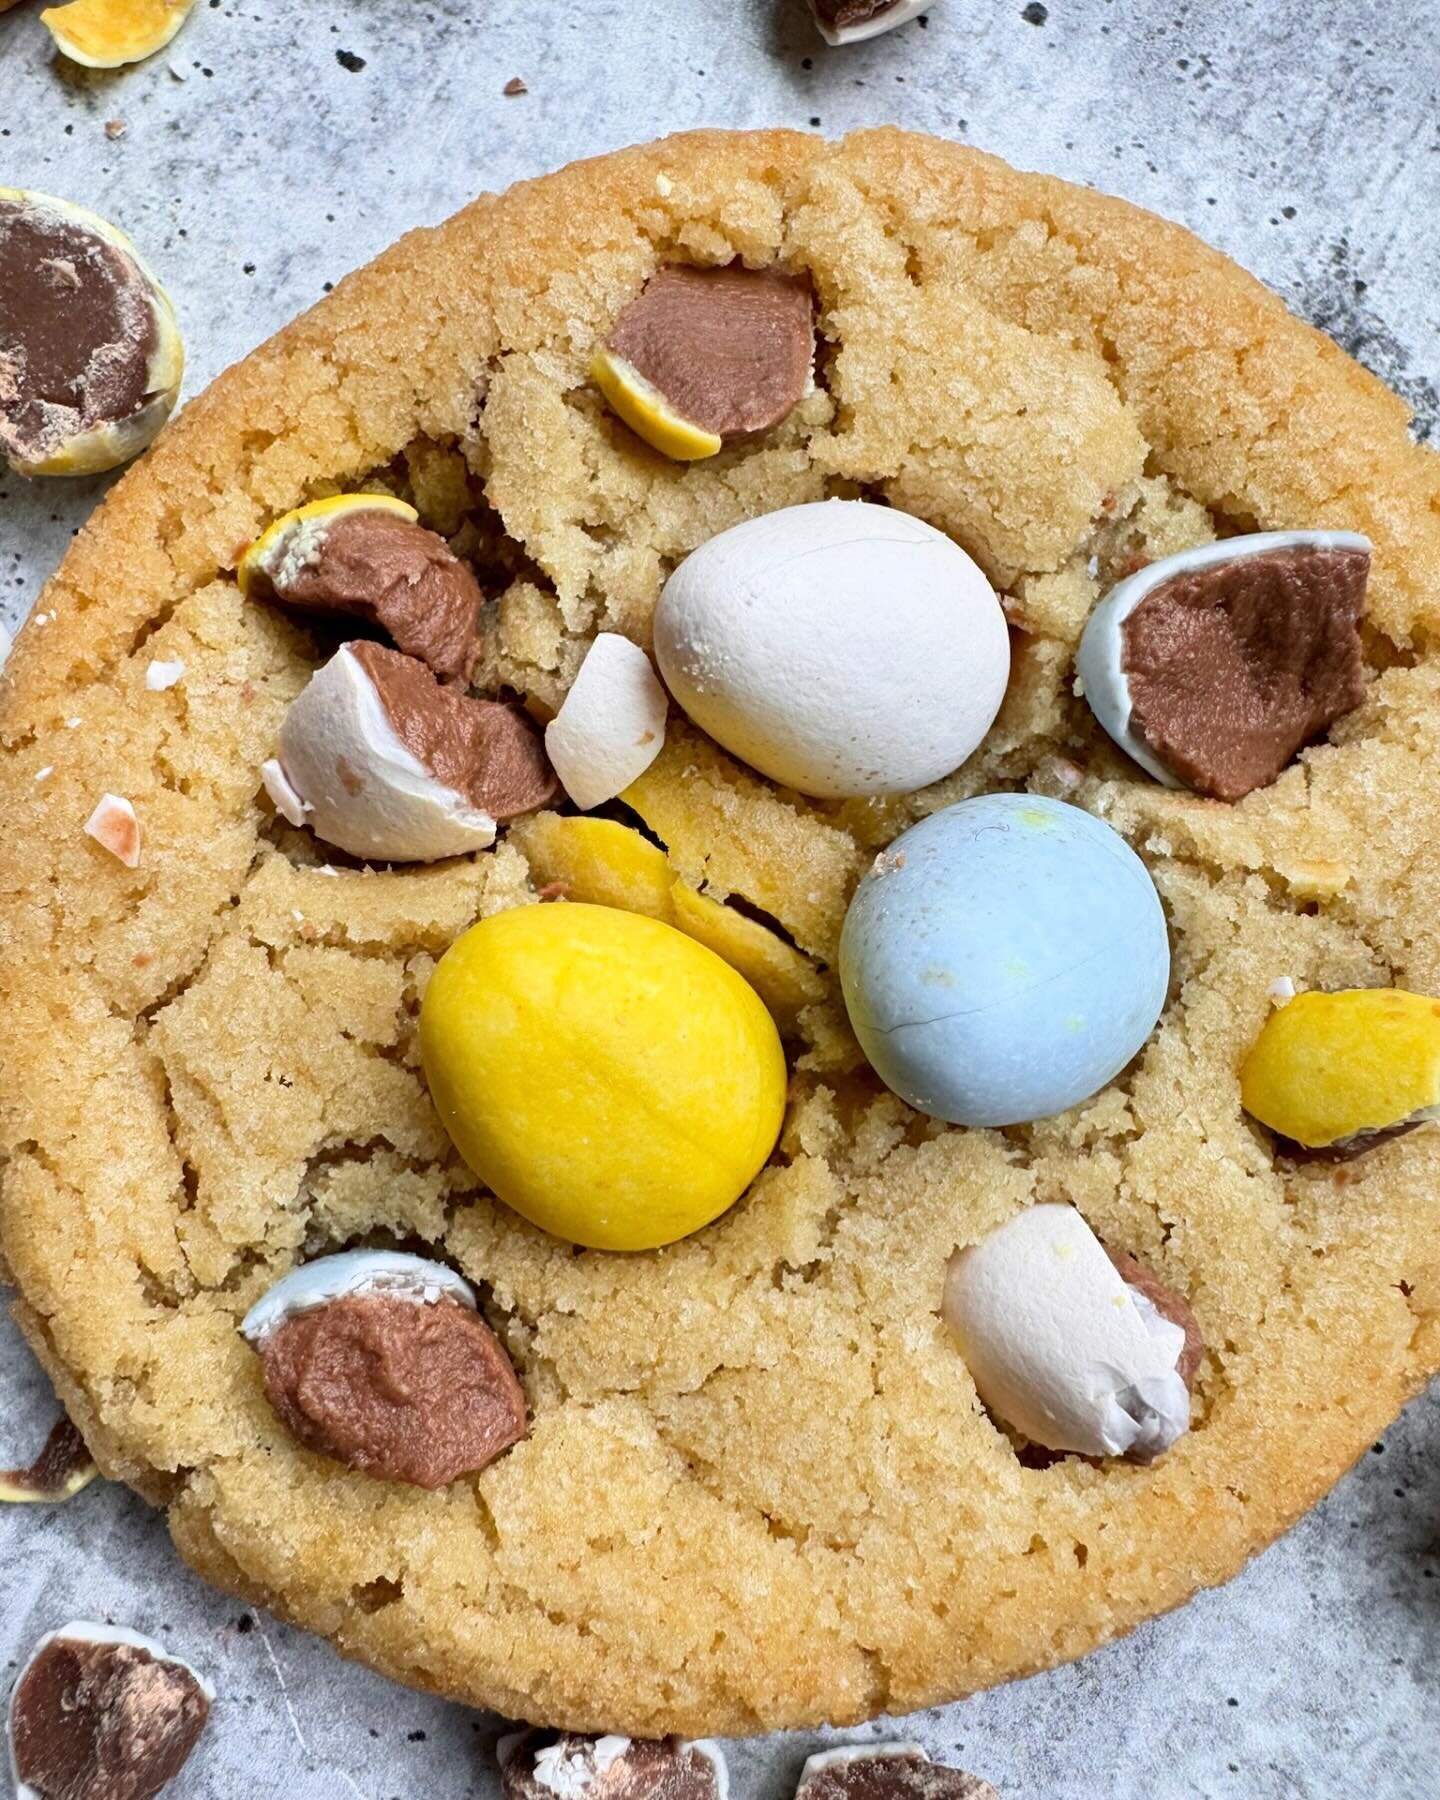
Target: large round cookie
[(759, 1490)]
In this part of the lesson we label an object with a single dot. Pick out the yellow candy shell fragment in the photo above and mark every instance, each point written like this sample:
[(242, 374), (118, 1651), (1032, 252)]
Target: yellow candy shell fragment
[(106, 34), (646, 411), (784, 979), (610, 1079), (251, 563), (1327, 1066), (597, 862)]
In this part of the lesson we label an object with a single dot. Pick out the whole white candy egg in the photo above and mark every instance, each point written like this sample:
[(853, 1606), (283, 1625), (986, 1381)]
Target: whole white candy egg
[(839, 648)]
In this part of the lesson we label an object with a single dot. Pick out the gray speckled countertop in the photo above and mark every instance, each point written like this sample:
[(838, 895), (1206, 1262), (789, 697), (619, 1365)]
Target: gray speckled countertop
[(255, 168)]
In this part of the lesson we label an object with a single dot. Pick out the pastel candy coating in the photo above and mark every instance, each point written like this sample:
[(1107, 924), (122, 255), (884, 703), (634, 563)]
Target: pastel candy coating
[(839, 648), (1003, 960)]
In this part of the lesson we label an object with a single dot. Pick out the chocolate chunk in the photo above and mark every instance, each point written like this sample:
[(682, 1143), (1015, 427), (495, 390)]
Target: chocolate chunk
[(95, 1717), (89, 355), (548, 1765), (405, 1390), (1234, 666), (383, 568), (484, 749), (730, 349), (1169, 1304), (886, 1772), (844, 15), (62, 1468)]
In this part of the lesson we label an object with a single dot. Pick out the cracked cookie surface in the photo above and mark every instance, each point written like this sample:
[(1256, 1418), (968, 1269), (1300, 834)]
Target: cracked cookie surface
[(759, 1490)]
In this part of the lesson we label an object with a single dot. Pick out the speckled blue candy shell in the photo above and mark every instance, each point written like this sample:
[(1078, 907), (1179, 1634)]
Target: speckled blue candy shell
[(1004, 959)]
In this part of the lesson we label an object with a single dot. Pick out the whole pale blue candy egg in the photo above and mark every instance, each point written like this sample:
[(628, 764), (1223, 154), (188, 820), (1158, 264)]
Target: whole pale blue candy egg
[(1003, 960)]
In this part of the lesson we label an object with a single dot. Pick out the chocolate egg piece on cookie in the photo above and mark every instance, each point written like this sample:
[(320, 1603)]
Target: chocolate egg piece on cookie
[(840, 648), (609, 1078), (1003, 960), (553, 1765), (368, 556), (894, 1771), (611, 724), (853, 21), (380, 1360), (1334, 1075), (1076, 1348), (90, 353), (102, 1711), (1214, 667), (703, 357), (380, 759)]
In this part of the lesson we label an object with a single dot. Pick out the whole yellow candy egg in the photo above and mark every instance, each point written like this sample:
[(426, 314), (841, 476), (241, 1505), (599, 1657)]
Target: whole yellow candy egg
[(609, 1078)]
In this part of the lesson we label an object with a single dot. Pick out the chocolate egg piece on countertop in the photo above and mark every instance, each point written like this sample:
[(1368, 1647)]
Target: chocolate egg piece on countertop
[(1078, 1348), (612, 1080), (886, 1771), (1003, 960), (367, 556), (840, 648), (90, 354), (551, 1765), (99, 1710), (1213, 668), (703, 357), (380, 759), (1334, 1075), (380, 1360), (62, 1469), (853, 21)]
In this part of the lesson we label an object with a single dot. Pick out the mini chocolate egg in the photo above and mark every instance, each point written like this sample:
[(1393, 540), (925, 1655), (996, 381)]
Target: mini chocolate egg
[(608, 1077), (1003, 960), (839, 648)]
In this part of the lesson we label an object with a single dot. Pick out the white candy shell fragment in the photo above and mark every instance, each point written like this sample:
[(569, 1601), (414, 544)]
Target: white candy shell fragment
[(844, 1754), (1098, 660), (1059, 1346), (393, 1273), (610, 726), (162, 675), (359, 786), (285, 800), (899, 13), (115, 828), (840, 648), (6, 640)]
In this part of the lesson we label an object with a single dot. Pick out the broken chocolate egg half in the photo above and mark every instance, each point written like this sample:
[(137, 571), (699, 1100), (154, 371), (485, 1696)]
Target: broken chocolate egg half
[(1334, 1075), (1214, 667), (703, 357), (551, 1765), (1074, 1347), (611, 724), (90, 353), (63, 1467), (853, 21), (380, 1360), (887, 1771), (367, 556), (381, 760), (103, 1712)]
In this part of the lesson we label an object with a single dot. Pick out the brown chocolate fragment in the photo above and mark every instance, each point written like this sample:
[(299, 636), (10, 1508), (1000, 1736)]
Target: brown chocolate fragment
[(515, 85), (1345, 1149), (405, 1390), (730, 349), (1169, 1304), (484, 749), (78, 328), (549, 1765), (1233, 668), (397, 575), (103, 1721), (844, 15), (878, 1773), (62, 1468)]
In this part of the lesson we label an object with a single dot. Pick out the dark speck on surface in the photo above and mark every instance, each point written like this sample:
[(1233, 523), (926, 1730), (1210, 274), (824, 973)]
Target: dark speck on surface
[(347, 59), (1035, 13)]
